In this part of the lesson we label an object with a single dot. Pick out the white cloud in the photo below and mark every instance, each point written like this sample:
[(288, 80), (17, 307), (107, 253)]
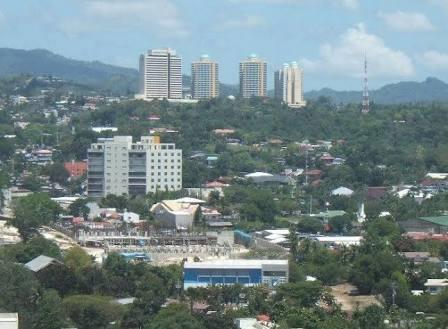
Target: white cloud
[(407, 21), (346, 57), (163, 16), (434, 60), (243, 23), (350, 4)]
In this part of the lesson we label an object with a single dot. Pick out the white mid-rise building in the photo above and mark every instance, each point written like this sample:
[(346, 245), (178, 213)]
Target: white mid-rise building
[(119, 166), (289, 85), (253, 72), (160, 74)]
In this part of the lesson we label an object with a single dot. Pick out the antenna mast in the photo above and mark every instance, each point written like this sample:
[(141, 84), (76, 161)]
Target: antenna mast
[(365, 93)]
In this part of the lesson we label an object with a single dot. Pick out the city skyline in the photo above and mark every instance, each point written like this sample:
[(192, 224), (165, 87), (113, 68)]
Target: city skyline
[(401, 39)]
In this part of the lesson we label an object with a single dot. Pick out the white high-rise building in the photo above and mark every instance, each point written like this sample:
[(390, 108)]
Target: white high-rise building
[(289, 85), (119, 166), (160, 74), (253, 77), (204, 78)]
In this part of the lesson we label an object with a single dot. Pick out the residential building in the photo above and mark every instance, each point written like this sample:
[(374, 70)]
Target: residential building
[(247, 272), (204, 78), (436, 286), (9, 321), (253, 72), (433, 225), (160, 74), (178, 214), (42, 262), (119, 166), (288, 83), (75, 169)]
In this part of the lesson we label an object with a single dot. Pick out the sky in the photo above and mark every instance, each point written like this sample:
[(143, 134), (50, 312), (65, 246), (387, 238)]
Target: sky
[(403, 40)]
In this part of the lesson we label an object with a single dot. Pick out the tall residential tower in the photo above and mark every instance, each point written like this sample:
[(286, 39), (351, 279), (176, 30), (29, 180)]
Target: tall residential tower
[(289, 85), (253, 77), (161, 74), (204, 78), (119, 166)]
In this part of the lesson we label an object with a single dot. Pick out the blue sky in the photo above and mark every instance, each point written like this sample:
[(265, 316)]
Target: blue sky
[(403, 39)]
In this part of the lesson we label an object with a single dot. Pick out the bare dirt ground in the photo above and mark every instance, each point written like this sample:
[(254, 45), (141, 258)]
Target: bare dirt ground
[(351, 303)]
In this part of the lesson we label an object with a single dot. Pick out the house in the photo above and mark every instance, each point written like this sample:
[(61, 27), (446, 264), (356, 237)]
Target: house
[(260, 322), (376, 192), (314, 174), (41, 262), (327, 159), (266, 178), (420, 257), (177, 214), (131, 217), (336, 241), (436, 286), (9, 321), (342, 191), (434, 225), (13, 193)]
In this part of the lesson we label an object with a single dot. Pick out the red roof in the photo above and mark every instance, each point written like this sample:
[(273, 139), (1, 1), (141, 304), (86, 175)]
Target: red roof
[(263, 317), (314, 172), (76, 168), (376, 192), (215, 184)]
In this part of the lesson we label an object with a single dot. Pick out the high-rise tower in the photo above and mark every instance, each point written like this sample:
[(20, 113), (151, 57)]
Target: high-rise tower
[(161, 74), (289, 85), (365, 93), (253, 77), (204, 78)]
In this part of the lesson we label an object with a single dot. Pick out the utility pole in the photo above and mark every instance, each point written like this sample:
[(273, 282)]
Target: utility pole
[(306, 167)]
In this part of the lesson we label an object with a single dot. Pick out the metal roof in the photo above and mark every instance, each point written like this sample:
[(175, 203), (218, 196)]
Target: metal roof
[(438, 220), (40, 263)]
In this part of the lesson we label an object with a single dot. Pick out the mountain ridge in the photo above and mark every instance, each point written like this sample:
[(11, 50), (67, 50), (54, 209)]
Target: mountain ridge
[(121, 80)]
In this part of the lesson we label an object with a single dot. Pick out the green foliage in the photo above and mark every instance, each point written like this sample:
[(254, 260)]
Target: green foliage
[(91, 312), (371, 318), (18, 290), (77, 259), (303, 294), (78, 208), (33, 211), (23, 252), (174, 317), (49, 313)]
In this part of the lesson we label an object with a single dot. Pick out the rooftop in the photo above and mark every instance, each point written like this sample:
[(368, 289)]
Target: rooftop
[(438, 220), (40, 263), (236, 263)]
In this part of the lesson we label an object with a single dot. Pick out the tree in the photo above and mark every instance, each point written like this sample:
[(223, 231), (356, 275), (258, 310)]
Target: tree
[(92, 312), (77, 259), (301, 294), (174, 317), (49, 313), (79, 208), (310, 225), (19, 291), (370, 318), (57, 173), (33, 211)]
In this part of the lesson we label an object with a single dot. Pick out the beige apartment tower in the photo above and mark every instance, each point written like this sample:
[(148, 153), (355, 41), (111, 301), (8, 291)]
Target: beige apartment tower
[(253, 73), (289, 85), (204, 78), (160, 74)]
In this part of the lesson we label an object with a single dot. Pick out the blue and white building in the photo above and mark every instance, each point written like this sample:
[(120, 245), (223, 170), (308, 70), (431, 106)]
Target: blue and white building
[(247, 272)]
